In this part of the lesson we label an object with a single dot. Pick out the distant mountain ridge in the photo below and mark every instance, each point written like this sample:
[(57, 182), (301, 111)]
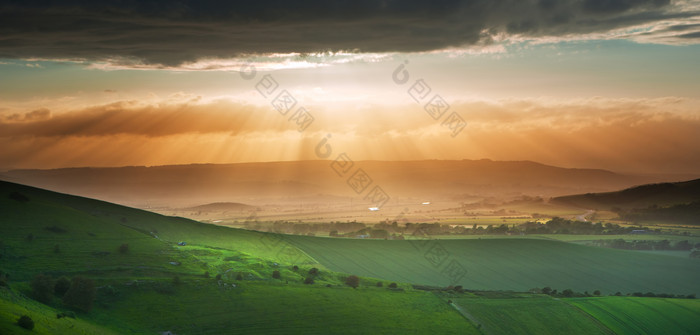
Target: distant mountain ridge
[(659, 194), (221, 207), (190, 185)]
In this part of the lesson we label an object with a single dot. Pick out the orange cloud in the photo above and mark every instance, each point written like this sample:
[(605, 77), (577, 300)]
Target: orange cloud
[(651, 135)]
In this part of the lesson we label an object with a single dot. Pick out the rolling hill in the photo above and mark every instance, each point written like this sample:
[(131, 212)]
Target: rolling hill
[(161, 284), (190, 185), (661, 194)]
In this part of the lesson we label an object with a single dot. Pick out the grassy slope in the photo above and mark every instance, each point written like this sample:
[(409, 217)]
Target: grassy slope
[(634, 315), (508, 264), (93, 227), (257, 305), (255, 308), (525, 314), (14, 305)]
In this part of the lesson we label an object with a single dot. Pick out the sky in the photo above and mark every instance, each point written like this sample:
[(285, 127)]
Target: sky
[(609, 84)]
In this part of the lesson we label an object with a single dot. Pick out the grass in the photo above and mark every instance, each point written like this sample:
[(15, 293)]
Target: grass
[(632, 315), (506, 264), (13, 305), (145, 299), (536, 314), (264, 308), (90, 232)]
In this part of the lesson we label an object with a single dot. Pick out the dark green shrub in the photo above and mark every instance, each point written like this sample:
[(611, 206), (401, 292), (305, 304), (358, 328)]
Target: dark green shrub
[(81, 294), (308, 281), (295, 268), (352, 281), (177, 281), (25, 322), (393, 285), (206, 274), (124, 248), (313, 271), (218, 276), (596, 292), (61, 286), (239, 277), (380, 284), (276, 274), (42, 288), (3, 279), (56, 249)]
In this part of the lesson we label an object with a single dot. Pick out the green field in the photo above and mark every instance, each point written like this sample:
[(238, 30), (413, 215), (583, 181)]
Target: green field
[(534, 314), (506, 264), (512, 314), (632, 315), (142, 297), (137, 292), (266, 308)]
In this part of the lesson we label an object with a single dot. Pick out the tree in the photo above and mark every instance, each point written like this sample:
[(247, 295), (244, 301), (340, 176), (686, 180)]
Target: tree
[(352, 281), (124, 248), (42, 288), (568, 293), (61, 287), (308, 281), (81, 293), (218, 276), (206, 274), (276, 274), (547, 290), (313, 271), (596, 292), (239, 277), (25, 322), (380, 284), (393, 285)]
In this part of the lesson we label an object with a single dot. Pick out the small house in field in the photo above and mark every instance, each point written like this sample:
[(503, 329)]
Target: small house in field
[(182, 244)]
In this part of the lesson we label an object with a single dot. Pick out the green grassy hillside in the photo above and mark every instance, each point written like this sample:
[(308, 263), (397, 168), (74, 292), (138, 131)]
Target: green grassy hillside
[(512, 314), (528, 314), (632, 315), (14, 305), (507, 264), (137, 290)]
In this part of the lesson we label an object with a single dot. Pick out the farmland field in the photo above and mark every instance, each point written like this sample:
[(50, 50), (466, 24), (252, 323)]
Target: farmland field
[(506, 264), (134, 283), (633, 315), (534, 314)]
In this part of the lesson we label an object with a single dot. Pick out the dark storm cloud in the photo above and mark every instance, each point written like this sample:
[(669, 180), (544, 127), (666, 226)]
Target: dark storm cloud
[(172, 32)]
